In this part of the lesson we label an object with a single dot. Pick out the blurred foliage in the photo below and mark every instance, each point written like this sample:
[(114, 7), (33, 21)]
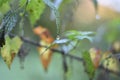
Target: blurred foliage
[(110, 62), (33, 11), (66, 9), (57, 16), (3, 9), (95, 2), (3, 1), (63, 4), (79, 35), (34, 8), (113, 31), (72, 39), (88, 65)]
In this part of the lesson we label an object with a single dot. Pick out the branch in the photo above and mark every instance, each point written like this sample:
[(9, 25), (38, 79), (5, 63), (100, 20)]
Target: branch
[(61, 52), (52, 49)]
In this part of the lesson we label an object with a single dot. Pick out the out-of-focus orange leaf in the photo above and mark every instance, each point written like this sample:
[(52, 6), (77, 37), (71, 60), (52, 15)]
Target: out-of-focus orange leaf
[(46, 56), (46, 40), (38, 30), (44, 34)]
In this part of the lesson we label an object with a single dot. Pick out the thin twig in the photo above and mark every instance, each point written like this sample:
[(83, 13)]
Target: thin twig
[(52, 49)]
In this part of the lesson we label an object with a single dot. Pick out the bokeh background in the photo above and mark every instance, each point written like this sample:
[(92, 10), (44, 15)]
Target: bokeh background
[(75, 15)]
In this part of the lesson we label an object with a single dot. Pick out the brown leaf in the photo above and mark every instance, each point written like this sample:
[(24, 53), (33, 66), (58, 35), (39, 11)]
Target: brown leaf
[(46, 56), (46, 40), (44, 34)]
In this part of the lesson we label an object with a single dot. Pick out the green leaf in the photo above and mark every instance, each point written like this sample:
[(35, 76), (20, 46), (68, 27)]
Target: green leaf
[(89, 67), (4, 7), (34, 8), (10, 49), (2, 2), (79, 35), (85, 37), (112, 32)]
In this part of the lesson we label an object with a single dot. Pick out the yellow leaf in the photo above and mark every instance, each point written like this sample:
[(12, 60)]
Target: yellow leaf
[(10, 49), (95, 55), (110, 62)]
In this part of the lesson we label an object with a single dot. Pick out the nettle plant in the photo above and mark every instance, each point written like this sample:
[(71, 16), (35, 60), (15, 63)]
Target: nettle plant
[(11, 44)]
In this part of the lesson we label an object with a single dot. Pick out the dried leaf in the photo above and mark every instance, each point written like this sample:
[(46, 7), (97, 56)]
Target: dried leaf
[(110, 62), (46, 40), (46, 56), (95, 55), (10, 49), (44, 34)]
